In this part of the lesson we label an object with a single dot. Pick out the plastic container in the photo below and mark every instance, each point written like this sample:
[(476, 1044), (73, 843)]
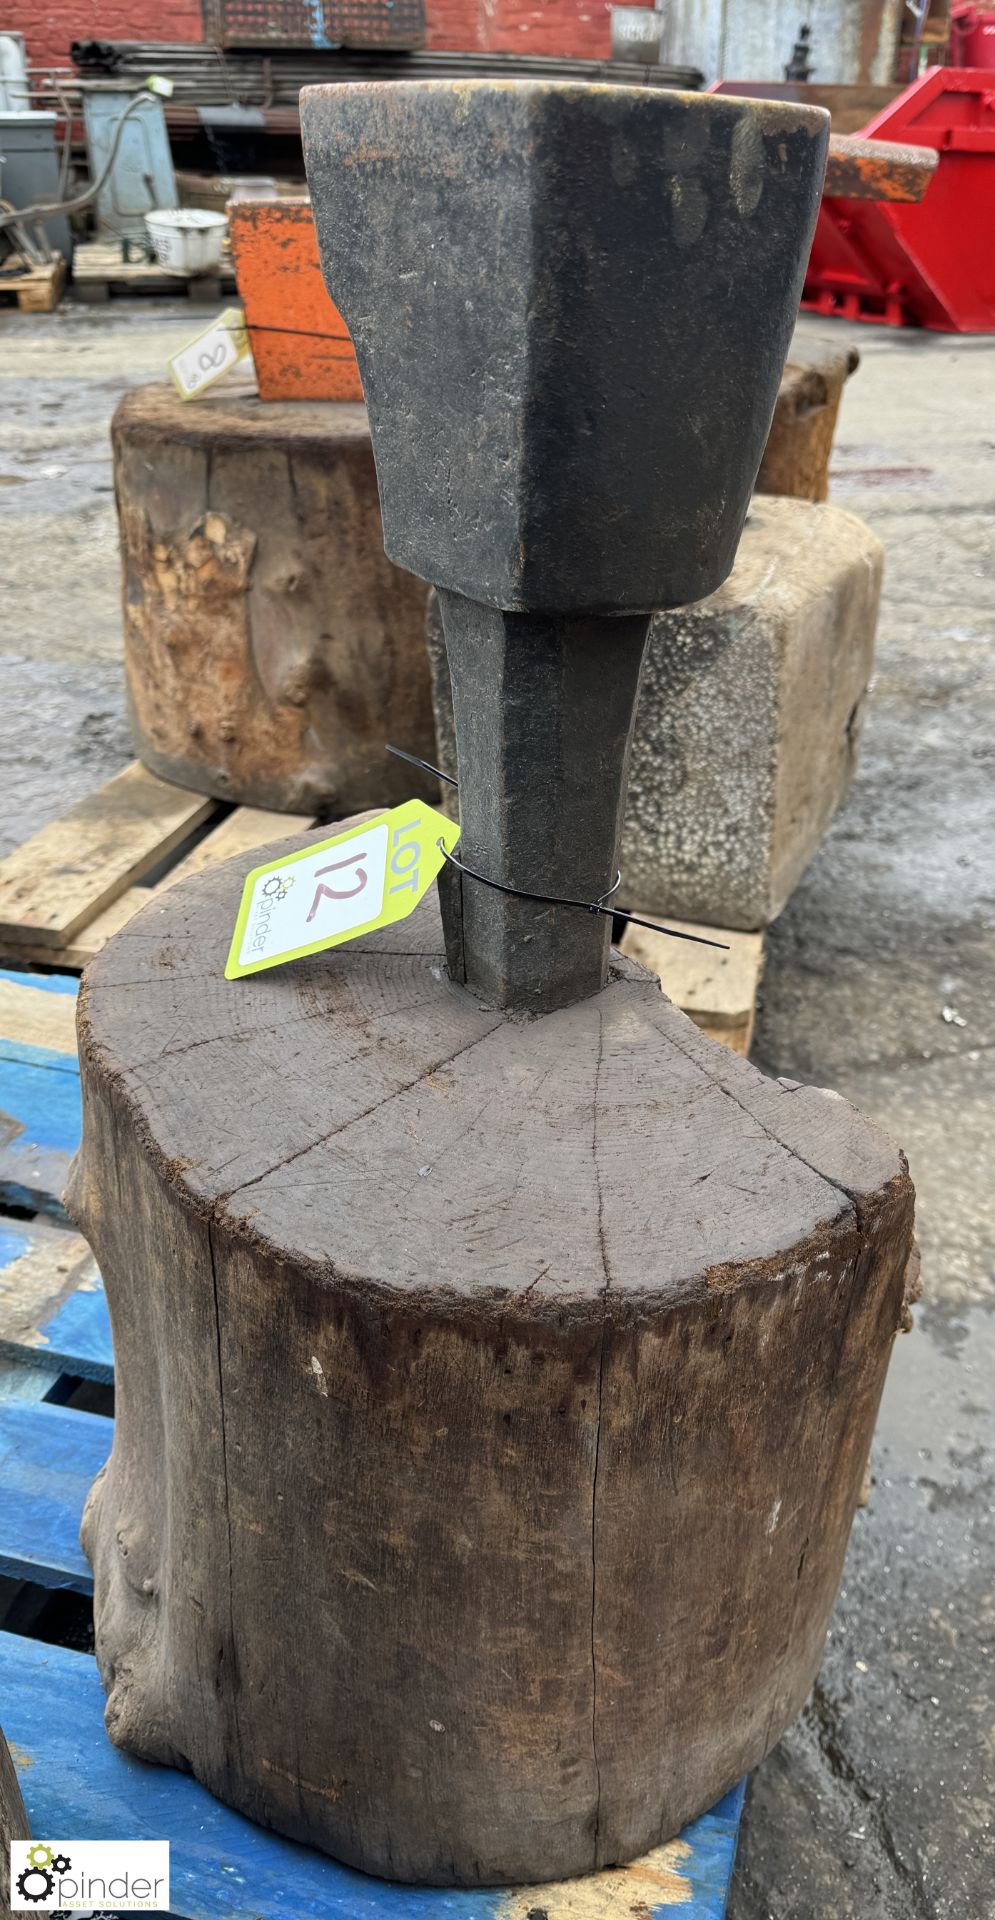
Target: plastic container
[(187, 239)]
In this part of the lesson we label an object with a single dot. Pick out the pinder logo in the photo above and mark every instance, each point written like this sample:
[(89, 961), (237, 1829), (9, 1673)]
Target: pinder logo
[(77, 1876)]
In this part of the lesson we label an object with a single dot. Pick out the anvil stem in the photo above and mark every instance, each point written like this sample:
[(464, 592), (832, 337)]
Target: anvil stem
[(544, 707)]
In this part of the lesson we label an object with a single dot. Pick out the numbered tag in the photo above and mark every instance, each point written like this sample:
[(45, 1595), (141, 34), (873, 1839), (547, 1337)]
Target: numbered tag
[(351, 884), (203, 360)]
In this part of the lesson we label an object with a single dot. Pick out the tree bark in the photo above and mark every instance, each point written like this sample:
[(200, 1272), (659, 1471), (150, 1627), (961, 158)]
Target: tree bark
[(493, 1395)]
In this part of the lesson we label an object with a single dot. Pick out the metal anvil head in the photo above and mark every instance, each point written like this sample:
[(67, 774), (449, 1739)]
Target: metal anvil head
[(571, 307)]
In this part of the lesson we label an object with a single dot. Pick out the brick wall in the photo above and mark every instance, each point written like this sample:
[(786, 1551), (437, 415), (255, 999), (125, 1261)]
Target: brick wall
[(50, 25), (572, 27), (577, 27)]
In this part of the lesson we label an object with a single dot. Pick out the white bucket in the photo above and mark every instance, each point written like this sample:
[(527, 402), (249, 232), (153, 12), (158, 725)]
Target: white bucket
[(187, 239)]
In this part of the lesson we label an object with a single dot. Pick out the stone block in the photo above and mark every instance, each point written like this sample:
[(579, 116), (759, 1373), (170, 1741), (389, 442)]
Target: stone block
[(748, 718)]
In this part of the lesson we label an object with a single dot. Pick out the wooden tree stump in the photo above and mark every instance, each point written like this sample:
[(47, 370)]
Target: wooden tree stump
[(271, 649), (800, 442), (494, 1396)]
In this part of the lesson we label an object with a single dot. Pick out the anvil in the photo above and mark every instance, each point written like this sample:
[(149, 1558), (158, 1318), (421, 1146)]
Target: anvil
[(570, 307)]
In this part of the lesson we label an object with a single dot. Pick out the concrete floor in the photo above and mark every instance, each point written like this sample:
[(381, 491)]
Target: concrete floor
[(878, 1804)]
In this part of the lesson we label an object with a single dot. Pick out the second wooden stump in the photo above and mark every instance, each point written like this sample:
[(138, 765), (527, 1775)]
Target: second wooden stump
[(271, 649)]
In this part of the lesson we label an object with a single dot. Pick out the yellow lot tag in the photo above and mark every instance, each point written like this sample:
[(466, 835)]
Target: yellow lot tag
[(348, 885), (205, 358)]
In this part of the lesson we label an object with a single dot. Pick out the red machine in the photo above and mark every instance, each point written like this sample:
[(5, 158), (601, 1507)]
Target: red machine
[(931, 264)]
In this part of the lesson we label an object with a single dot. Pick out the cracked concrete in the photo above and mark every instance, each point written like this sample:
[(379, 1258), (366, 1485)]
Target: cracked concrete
[(877, 1804), (61, 376)]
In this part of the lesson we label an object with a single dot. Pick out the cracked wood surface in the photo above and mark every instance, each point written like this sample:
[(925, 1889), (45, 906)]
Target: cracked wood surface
[(494, 1396)]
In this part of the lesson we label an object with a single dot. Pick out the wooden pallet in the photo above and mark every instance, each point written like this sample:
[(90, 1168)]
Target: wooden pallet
[(69, 888), (39, 1092), (100, 271), (36, 289), (717, 990), (55, 1333)]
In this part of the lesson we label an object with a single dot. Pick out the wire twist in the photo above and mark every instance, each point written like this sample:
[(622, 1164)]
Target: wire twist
[(553, 899)]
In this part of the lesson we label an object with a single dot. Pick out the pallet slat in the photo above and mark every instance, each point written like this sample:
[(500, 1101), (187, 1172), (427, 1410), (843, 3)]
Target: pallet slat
[(66, 874), (25, 1385), (718, 991), (61, 983), (98, 267), (31, 1016), (37, 289), (49, 1459), (77, 1338), (244, 830), (89, 939), (40, 1119), (39, 1114), (223, 1868), (53, 1309)]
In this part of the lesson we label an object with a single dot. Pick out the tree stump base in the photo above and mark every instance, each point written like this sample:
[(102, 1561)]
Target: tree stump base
[(270, 647), (493, 1396)]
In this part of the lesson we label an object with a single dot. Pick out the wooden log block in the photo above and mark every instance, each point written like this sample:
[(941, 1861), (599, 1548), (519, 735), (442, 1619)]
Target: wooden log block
[(271, 649), (800, 442), (494, 1395)]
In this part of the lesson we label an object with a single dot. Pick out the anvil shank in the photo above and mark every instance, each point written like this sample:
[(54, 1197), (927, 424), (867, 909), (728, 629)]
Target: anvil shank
[(544, 707), (570, 307)]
